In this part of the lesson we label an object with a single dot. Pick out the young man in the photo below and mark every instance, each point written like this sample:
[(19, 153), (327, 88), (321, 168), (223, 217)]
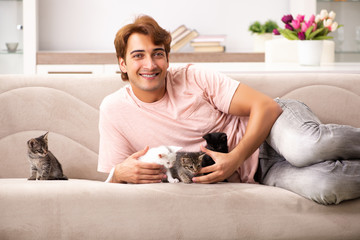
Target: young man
[(177, 106)]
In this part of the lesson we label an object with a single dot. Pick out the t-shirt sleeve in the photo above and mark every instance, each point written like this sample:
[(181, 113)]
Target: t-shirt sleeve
[(113, 146), (218, 88)]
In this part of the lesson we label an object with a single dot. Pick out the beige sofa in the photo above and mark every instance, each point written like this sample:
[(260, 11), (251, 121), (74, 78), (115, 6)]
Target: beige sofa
[(87, 208)]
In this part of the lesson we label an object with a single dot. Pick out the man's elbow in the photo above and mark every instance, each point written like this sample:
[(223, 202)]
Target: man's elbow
[(274, 109)]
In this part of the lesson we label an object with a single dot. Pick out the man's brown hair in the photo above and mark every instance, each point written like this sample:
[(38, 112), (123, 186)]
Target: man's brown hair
[(145, 25)]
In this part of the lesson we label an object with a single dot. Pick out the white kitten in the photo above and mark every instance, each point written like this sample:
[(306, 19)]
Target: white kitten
[(163, 155)]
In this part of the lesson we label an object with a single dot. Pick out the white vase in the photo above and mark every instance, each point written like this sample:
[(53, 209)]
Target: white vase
[(259, 41), (309, 52)]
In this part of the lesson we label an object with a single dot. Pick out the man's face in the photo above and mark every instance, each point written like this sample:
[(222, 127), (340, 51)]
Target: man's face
[(146, 65)]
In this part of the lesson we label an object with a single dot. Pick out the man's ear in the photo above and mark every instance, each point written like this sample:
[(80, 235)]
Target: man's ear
[(122, 65)]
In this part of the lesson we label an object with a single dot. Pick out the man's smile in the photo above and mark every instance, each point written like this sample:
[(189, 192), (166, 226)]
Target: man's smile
[(149, 75)]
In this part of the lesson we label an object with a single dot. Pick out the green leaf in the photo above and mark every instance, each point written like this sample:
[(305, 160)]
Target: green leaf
[(326, 32), (307, 33), (255, 27), (262, 29), (319, 25), (316, 32), (270, 26), (322, 38), (288, 34)]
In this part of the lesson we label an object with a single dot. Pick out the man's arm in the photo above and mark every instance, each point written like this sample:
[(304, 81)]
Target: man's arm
[(132, 170), (263, 112)]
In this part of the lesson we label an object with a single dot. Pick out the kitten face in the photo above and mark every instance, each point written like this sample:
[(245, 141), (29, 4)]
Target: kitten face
[(164, 155), (191, 161), (39, 145), (168, 156), (216, 141)]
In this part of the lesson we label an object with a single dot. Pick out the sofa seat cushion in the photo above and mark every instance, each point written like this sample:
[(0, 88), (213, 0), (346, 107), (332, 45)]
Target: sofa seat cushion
[(87, 209)]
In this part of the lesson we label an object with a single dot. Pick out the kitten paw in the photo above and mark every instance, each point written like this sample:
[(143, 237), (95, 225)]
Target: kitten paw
[(31, 178), (175, 180)]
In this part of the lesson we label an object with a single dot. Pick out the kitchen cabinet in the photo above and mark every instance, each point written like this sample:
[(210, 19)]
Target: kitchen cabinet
[(11, 19), (18, 24)]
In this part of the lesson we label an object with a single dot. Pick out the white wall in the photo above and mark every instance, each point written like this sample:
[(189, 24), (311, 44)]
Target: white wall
[(90, 25)]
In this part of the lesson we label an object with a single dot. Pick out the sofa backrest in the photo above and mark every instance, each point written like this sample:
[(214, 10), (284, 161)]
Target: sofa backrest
[(334, 98), (67, 106)]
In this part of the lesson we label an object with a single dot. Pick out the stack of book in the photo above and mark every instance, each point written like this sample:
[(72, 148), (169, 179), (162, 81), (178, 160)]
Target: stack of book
[(208, 43), (182, 36)]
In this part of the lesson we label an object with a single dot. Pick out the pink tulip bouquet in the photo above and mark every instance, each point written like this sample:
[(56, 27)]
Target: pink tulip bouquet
[(316, 28)]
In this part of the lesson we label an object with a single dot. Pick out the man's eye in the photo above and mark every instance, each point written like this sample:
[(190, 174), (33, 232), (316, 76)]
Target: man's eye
[(159, 54), (137, 56)]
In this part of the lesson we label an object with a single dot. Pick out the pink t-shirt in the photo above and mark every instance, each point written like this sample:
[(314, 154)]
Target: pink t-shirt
[(196, 102)]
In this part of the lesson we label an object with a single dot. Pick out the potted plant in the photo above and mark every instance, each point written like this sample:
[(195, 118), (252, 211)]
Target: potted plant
[(261, 33), (316, 28)]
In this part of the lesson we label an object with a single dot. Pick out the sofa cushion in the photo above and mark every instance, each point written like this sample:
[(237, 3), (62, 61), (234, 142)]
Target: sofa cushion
[(84, 209)]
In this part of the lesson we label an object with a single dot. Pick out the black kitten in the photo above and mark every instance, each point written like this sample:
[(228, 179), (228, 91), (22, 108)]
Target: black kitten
[(217, 142)]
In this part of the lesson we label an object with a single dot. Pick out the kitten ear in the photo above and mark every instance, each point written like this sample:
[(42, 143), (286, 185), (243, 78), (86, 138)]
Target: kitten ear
[(202, 156), (45, 135), (207, 136), (31, 142), (174, 148)]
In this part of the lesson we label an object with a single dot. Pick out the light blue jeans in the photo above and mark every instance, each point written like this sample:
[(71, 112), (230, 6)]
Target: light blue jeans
[(318, 161)]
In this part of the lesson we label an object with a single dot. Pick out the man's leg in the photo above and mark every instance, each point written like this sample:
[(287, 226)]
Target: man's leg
[(328, 182), (303, 140)]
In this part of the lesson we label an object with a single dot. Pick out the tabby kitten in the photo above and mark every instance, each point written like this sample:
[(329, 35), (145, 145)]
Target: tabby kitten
[(186, 166), (44, 165)]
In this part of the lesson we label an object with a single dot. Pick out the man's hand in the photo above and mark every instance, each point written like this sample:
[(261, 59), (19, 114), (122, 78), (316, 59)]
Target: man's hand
[(134, 171), (225, 165)]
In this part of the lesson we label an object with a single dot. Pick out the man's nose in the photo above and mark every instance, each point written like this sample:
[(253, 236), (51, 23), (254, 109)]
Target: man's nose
[(149, 63)]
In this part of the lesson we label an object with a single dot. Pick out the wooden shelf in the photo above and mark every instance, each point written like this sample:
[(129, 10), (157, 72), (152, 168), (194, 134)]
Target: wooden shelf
[(110, 58), (75, 58), (217, 57)]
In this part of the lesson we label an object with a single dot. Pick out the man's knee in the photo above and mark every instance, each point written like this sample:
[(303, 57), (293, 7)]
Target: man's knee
[(327, 192), (302, 155)]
